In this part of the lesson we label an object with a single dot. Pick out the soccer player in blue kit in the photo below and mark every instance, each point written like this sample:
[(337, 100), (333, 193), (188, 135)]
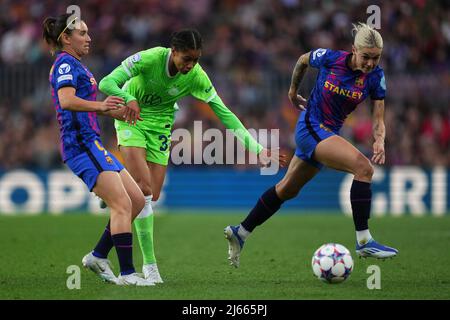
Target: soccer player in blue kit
[(344, 81), (74, 91)]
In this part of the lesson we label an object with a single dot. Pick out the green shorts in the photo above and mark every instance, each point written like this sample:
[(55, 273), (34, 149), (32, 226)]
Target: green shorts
[(155, 142)]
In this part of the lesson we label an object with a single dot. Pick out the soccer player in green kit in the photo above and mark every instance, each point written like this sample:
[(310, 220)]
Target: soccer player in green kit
[(151, 82)]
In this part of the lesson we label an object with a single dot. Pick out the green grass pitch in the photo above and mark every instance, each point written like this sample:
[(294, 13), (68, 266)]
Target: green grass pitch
[(192, 257)]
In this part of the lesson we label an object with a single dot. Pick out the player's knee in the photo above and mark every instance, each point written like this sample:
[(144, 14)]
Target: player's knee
[(121, 205), (144, 185), (364, 168)]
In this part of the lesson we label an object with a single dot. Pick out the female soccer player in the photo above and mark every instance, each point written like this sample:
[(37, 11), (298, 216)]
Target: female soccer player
[(151, 82), (74, 91), (344, 81)]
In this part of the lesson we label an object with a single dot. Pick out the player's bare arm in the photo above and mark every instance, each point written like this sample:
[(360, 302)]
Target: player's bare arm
[(115, 114), (297, 75), (69, 101), (124, 113), (379, 132)]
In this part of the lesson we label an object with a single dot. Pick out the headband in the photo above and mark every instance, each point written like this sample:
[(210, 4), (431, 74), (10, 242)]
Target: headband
[(66, 28)]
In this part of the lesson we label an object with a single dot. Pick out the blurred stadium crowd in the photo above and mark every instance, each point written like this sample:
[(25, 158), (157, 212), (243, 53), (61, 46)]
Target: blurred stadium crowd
[(250, 48)]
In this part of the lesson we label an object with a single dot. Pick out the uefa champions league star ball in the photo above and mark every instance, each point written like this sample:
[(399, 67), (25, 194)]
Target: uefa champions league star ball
[(332, 263)]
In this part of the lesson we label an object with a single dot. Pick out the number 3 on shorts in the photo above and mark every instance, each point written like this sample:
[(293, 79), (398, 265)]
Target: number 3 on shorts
[(164, 144)]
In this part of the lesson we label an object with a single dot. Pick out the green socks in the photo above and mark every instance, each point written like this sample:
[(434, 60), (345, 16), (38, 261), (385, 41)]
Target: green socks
[(144, 231)]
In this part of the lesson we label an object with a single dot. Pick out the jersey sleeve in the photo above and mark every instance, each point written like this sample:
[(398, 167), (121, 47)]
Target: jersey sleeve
[(377, 88), (202, 88), (322, 57), (132, 66), (112, 84), (65, 74)]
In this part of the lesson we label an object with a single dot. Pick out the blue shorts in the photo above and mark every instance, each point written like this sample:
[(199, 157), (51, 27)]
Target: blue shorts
[(88, 165), (308, 134)]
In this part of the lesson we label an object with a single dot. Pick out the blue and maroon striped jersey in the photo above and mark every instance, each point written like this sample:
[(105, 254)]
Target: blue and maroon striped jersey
[(77, 129), (338, 89)]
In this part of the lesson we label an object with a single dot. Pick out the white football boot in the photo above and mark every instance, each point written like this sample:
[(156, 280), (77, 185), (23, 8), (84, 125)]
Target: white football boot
[(235, 245), (151, 273), (133, 279), (101, 267)]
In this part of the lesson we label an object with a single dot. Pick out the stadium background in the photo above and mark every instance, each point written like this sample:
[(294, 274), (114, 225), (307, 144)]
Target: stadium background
[(250, 48)]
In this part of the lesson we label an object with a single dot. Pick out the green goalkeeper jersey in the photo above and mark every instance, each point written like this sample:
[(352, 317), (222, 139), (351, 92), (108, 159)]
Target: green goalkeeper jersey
[(145, 77)]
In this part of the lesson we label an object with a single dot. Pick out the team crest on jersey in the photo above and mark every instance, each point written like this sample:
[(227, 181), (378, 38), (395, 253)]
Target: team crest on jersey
[(359, 82), (64, 68), (173, 91)]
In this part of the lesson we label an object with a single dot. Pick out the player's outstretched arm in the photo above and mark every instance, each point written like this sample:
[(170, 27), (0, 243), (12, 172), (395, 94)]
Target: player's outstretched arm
[(69, 101), (115, 114), (379, 132), (297, 75)]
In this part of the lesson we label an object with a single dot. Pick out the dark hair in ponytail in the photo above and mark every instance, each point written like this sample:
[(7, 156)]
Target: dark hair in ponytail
[(52, 29), (187, 39)]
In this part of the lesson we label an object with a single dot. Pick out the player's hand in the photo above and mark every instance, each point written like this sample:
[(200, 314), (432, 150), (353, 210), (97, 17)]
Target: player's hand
[(297, 100), (111, 103), (378, 152), (132, 113), (267, 156)]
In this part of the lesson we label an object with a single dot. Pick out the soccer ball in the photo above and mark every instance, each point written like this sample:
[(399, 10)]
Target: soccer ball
[(332, 263)]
